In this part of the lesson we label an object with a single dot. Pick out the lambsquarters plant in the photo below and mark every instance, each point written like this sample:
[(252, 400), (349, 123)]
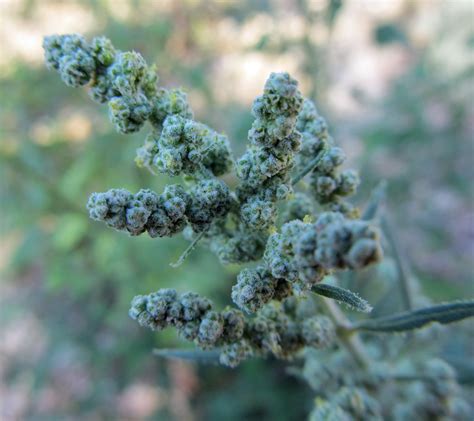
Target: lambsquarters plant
[(317, 234)]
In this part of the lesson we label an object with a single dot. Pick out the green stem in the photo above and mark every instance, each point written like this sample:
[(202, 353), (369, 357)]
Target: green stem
[(311, 165), (188, 250), (346, 335)]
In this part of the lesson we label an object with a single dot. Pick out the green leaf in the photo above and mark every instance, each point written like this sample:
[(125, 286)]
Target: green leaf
[(410, 320), (195, 355), (343, 296)]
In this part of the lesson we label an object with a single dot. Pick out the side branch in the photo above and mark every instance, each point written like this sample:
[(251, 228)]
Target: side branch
[(345, 334), (310, 166)]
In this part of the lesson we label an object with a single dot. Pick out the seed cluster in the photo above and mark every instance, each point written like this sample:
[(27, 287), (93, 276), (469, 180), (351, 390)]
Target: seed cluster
[(265, 167), (329, 185), (161, 215), (184, 146), (177, 144), (238, 226), (303, 253), (276, 330), (318, 233)]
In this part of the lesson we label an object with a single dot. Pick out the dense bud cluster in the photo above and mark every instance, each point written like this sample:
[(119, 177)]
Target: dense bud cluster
[(277, 315), (280, 251), (273, 331), (191, 314), (258, 214), (122, 79), (71, 56), (314, 133), (279, 332), (208, 200), (265, 167), (256, 287), (328, 183), (185, 146), (340, 243), (161, 215), (178, 145), (302, 253), (169, 102)]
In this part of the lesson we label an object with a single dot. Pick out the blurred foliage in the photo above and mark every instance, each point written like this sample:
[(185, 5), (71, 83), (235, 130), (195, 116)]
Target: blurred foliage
[(77, 277)]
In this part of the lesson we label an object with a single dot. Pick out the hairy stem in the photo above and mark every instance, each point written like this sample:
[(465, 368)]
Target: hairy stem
[(346, 335)]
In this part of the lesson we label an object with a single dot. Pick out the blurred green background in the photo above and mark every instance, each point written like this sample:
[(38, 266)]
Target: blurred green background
[(394, 80)]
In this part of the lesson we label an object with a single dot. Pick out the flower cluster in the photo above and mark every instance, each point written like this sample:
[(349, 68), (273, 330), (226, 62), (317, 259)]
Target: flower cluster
[(277, 331), (191, 314), (208, 200), (265, 167), (303, 253), (177, 144), (404, 388), (122, 79), (328, 183), (185, 146), (72, 57), (296, 252), (161, 215), (235, 226), (256, 287)]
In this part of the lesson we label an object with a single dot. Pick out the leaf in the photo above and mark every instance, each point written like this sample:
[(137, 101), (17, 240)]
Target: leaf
[(376, 199), (195, 355), (410, 320), (343, 296)]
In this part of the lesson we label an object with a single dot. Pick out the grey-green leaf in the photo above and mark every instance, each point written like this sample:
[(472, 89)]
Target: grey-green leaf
[(195, 355), (376, 199), (343, 296), (410, 320)]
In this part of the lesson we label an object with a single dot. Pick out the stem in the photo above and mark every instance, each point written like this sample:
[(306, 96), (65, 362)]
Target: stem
[(401, 269), (188, 250), (346, 335), (311, 165)]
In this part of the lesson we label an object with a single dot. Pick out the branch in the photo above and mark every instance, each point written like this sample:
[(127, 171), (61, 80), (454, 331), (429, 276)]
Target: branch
[(350, 341), (188, 250), (311, 165)]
